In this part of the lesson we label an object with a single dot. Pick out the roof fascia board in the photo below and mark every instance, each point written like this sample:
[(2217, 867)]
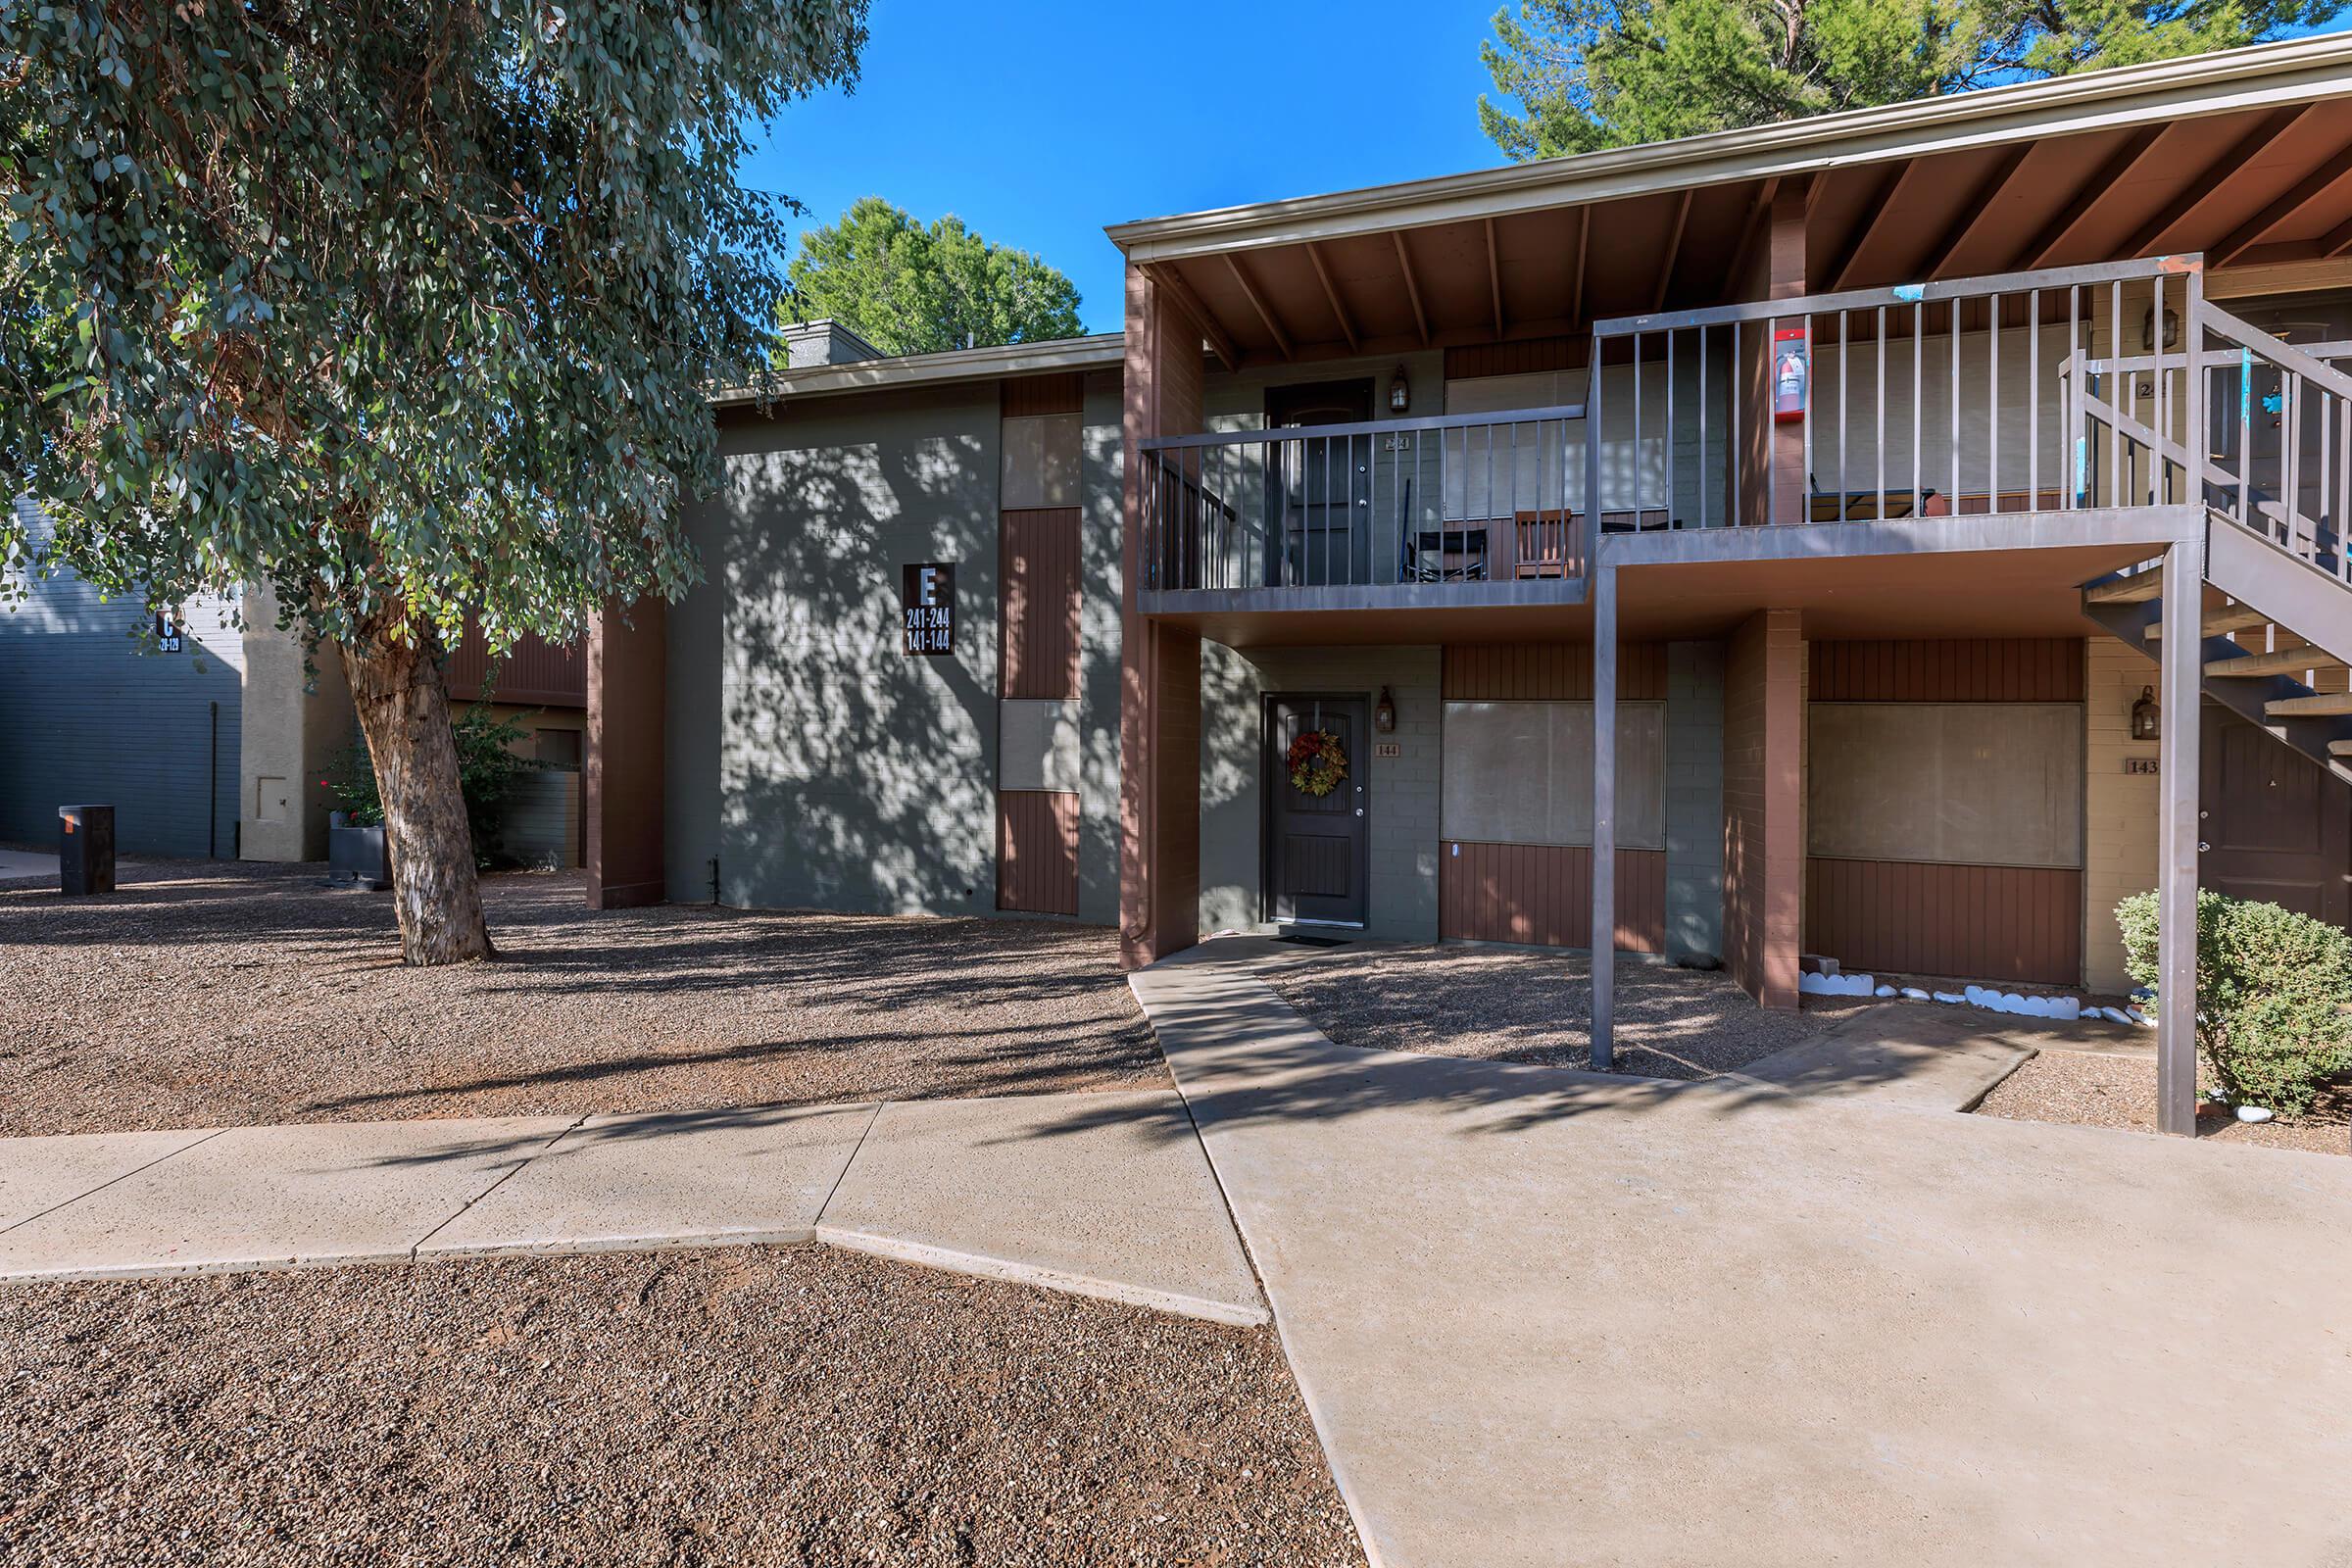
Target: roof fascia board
[(918, 370), (2298, 71)]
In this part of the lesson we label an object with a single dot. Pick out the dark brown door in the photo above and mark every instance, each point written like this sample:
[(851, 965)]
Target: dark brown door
[(2276, 825), (1317, 860), (1319, 488)]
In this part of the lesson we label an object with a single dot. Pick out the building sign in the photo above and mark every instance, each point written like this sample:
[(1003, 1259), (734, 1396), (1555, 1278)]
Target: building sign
[(167, 636), (2141, 764), (927, 597)]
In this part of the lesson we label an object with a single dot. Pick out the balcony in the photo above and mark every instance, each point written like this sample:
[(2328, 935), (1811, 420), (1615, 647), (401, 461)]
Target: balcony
[(2071, 396)]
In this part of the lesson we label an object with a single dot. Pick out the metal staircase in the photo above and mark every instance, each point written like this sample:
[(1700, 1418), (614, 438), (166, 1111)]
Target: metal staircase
[(2275, 475)]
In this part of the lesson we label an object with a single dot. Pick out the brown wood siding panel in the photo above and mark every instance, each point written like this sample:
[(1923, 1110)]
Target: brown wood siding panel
[(1037, 601), (1541, 894), (1521, 358), (1037, 851), (1029, 395), (533, 673), (2018, 924), (1548, 672), (1960, 670)]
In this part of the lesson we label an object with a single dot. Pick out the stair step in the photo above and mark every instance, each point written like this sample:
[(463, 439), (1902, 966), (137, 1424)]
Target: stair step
[(2339, 747), (2324, 704), (2136, 589), (2285, 662), (2221, 622)]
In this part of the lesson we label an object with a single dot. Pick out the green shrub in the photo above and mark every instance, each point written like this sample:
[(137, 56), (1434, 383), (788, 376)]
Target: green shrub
[(487, 769), (2273, 995)]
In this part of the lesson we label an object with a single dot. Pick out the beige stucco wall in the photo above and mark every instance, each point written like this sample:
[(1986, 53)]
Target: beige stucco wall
[(2119, 808), (288, 738)]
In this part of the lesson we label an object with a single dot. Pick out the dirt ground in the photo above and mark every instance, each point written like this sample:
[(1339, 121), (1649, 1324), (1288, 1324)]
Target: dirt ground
[(738, 1405), (2094, 1090), (1502, 1004), (223, 994)]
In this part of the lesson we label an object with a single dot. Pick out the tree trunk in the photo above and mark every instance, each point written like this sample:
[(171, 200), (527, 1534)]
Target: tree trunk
[(403, 708)]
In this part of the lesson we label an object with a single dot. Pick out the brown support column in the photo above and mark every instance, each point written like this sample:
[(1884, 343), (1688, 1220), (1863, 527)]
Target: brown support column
[(1763, 850), (1160, 666), (1772, 455), (622, 787)]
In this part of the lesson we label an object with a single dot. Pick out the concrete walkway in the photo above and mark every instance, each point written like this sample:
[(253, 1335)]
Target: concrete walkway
[(1105, 1195), (1541, 1316)]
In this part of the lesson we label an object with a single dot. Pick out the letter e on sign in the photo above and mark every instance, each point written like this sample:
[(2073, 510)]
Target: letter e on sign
[(928, 608)]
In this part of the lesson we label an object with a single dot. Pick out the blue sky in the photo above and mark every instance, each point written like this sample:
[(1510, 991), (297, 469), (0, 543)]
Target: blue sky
[(1038, 124)]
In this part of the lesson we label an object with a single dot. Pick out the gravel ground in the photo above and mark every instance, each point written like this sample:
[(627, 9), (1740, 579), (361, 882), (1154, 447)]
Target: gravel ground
[(212, 995), (2066, 1086), (740, 1405), (1501, 1004)]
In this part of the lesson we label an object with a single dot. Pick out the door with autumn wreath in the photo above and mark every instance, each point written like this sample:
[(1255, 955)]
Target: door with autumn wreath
[(1317, 796)]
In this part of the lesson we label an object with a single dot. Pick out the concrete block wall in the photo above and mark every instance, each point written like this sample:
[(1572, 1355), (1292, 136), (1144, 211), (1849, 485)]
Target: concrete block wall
[(850, 776), (1763, 720), (1402, 803), (1102, 447), (2119, 808), (1693, 799)]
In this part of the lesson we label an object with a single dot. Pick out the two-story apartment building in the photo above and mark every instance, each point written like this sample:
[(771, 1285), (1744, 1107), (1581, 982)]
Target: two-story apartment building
[(1894, 535)]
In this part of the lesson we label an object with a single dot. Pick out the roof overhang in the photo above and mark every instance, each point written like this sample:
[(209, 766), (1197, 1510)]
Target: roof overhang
[(2243, 157), (1105, 350), (2262, 76)]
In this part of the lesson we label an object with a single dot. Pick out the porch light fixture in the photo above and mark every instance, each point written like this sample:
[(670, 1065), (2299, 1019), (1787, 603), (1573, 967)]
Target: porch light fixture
[(1384, 713), (2171, 329), (1400, 391), (2147, 716)]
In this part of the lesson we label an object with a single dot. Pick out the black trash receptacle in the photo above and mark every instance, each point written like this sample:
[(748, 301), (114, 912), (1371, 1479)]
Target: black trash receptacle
[(85, 850)]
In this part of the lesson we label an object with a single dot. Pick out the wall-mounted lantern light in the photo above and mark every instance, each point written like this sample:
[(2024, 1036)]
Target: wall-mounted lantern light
[(1400, 391), (2147, 716), (2171, 329), (1384, 713)]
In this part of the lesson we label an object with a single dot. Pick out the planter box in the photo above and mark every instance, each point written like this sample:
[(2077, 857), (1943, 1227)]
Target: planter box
[(357, 852)]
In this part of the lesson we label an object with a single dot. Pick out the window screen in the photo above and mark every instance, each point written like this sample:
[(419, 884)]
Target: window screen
[(1522, 773), (1955, 783)]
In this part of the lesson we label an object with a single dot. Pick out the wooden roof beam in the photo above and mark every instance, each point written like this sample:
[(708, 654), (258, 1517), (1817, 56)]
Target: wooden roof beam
[(1674, 250), (2310, 188), (1219, 340), (2058, 230), (1977, 212), (2272, 126), (1331, 292), (1257, 303), (1575, 268), (1412, 285), (1757, 212), (1494, 277), (1891, 186)]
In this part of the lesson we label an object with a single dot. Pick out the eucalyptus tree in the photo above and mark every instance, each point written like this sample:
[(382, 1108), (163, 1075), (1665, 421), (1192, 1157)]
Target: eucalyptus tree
[(405, 312)]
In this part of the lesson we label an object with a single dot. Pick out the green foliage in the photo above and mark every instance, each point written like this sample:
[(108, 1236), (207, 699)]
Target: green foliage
[(487, 769), (2273, 995), (1593, 73), (400, 311), (908, 289)]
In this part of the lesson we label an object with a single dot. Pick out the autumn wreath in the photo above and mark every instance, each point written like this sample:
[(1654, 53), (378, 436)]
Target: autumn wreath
[(1317, 763)]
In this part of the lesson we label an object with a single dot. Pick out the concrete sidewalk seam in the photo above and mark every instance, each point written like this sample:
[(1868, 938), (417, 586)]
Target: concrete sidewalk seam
[(985, 1266), (109, 1181), (843, 1174), (416, 1247)]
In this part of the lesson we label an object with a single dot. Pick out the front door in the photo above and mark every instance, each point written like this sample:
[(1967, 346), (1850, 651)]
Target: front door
[(1319, 488), (1317, 860), (2274, 825)]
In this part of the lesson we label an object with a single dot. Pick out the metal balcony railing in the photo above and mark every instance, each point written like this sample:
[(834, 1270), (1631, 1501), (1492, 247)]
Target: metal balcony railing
[(1454, 499), (1971, 395)]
